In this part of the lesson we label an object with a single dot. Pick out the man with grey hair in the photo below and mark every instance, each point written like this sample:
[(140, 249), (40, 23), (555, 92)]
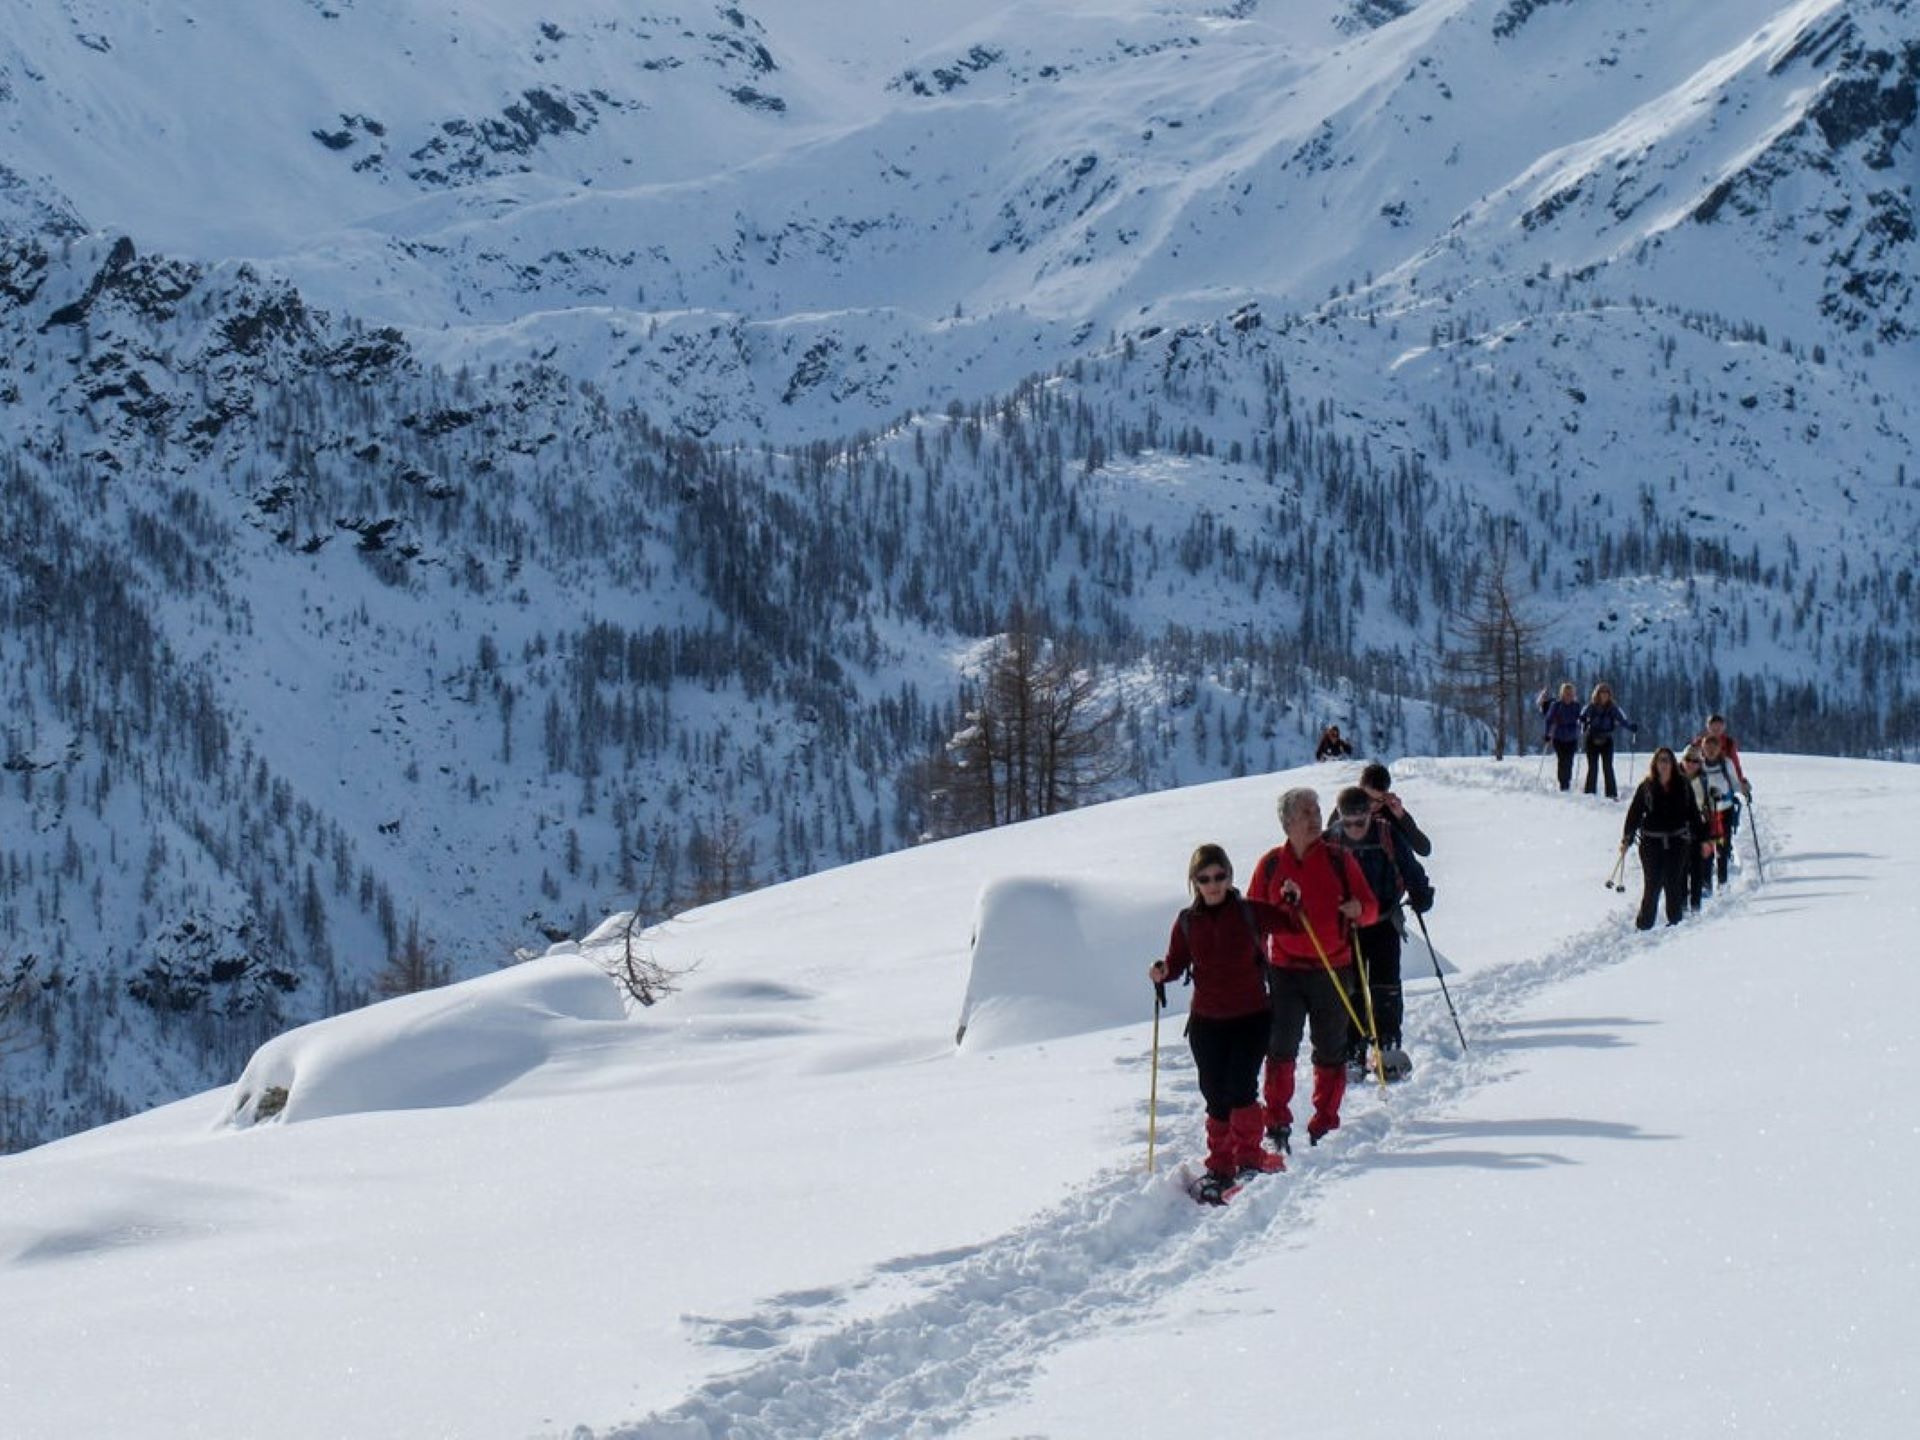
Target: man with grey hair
[(1323, 895)]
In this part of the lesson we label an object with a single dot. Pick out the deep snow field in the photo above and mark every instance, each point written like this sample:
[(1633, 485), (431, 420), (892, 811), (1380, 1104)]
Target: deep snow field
[(1662, 1191)]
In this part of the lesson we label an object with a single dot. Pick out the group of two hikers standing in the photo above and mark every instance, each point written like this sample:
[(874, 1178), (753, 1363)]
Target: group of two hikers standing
[(1570, 725), (1281, 963)]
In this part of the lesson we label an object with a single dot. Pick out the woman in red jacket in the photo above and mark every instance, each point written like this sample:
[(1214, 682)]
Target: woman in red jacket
[(1220, 941)]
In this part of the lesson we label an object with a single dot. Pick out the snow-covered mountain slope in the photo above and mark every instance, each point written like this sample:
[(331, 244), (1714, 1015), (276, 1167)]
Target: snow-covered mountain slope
[(470, 468), (1654, 1189), (803, 219)]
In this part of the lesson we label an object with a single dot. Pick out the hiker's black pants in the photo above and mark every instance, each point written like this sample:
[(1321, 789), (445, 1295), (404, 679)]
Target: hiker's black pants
[(1380, 950), (1664, 863), (1600, 756), (1227, 1055), (1563, 753), (1301, 997)]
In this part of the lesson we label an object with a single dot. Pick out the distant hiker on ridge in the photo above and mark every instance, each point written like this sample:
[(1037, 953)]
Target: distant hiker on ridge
[(1333, 745)]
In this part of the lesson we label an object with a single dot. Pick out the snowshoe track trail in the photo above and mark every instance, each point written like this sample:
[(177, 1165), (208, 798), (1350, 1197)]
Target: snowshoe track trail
[(1109, 1251)]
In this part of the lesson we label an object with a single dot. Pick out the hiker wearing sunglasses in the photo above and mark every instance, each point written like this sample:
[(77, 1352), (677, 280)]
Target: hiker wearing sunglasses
[(1394, 874), (1219, 942), (1700, 869)]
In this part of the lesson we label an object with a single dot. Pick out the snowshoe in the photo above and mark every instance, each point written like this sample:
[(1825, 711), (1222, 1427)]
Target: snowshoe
[(1395, 1064), (1213, 1188)]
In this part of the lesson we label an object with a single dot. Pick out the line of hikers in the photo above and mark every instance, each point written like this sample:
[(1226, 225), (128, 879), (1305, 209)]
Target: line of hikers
[(1685, 814), (1312, 949), (1285, 961)]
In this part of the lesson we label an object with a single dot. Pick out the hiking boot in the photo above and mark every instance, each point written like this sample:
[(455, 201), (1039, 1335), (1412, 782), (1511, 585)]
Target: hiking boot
[(1264, 1162), (1282, 1138)]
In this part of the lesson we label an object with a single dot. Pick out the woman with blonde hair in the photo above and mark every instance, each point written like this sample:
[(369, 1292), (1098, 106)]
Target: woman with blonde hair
[(1220, 942), (1562, 719)]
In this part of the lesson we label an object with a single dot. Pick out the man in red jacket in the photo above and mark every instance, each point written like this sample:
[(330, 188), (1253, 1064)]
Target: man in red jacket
[(1322, 895)]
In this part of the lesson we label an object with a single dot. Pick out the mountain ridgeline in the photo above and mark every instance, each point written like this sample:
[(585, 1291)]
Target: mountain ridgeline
[(332, 627)]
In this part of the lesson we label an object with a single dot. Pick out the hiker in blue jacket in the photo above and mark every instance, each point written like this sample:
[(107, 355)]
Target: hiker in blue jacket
[(1601, 718), (1562, 729)]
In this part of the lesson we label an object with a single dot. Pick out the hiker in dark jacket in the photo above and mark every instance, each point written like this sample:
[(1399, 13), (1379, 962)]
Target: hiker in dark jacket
[(1671, 831), (1700, 871), (1394, 875), (1599, 721), (1220, 940), (1562, 718), (1333, 745), (1377, 781)]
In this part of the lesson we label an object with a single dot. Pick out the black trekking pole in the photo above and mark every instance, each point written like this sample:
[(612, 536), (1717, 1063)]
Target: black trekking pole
[(1753, 824), (1434, 955)]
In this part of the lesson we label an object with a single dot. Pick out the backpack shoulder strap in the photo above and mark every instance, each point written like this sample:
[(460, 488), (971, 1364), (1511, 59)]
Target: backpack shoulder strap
[(1339, 871), (1389, 839), (1253, 929)]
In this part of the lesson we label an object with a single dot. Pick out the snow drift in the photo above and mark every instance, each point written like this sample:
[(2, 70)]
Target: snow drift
[(441, 1047)]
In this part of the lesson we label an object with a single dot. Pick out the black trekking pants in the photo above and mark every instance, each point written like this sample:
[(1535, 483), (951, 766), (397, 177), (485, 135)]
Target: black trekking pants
[(1227, 1055), (1600, 756), (1664, 865), (1563, 753), (1723, 851), (1301, 997), (1379, 946)]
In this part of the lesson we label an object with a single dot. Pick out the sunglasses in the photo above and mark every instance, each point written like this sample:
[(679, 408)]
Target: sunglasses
[(1213, 877), (1351, 820)]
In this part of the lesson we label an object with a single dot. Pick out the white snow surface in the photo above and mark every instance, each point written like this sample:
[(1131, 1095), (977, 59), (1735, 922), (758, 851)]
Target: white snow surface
[(1662, 1191)]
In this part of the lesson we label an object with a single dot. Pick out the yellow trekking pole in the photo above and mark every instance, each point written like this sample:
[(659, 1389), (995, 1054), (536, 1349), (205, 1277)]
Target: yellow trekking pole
[(1373, 1025), (1338, 988), (1153, 1086)]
